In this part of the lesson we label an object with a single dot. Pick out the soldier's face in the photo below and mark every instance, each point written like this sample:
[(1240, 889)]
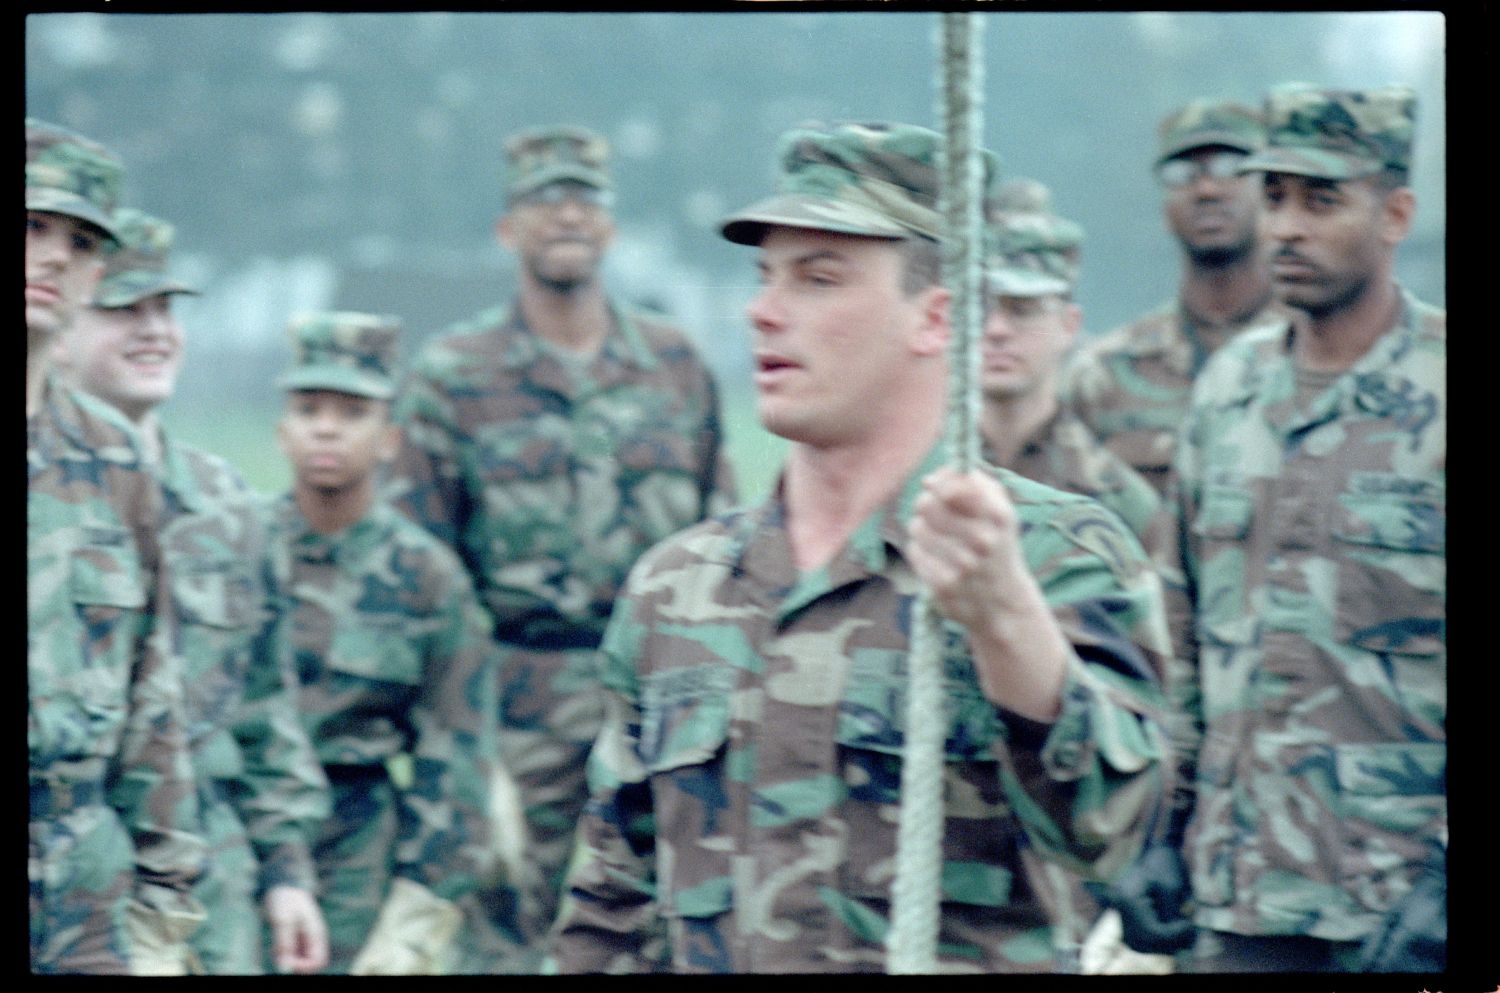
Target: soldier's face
[(835, 333), (1025, 339), (1212, 211), (128, 356), (559, 233), (335, 441), (62, 269), (1328, 241)]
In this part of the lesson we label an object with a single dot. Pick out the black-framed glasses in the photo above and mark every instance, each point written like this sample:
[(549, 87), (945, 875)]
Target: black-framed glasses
[(556, 194), (1177, 173)]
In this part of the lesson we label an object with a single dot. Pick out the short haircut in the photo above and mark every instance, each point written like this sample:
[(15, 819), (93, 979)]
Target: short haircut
[(922, 263)]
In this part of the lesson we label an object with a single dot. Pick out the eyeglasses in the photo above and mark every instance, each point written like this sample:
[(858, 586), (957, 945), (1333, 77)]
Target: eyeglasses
[(1177, 173), (556, 194)]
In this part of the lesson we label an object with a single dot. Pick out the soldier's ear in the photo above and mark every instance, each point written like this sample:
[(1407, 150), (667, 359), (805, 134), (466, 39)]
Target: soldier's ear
[(1072, 320), (503, 233), (1397, 212), (934, 331)]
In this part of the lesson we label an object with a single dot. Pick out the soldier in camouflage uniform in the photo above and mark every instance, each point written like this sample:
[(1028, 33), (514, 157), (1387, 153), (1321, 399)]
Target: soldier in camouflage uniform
[(1031, 322), (261, 787), (1130, 385), (393, 655), (551, 442), (745, 788), (112, 849), (1310, 604)]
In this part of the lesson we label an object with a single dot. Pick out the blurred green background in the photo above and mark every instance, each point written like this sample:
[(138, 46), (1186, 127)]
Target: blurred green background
[(247, 438)]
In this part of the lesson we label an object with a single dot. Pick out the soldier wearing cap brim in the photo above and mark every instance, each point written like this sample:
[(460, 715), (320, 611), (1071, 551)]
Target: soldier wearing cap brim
[(1131, 384), (393, 659), (261, 788), (1309, 575), (746, 785), (113, 843), (551, 441)]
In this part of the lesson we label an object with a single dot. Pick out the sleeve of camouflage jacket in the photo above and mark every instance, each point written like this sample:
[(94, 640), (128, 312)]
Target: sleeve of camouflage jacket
[(282, 794), (425, 480), (444, 842), (608, 920), (151, 781), (1088, 786), (1176, 558)]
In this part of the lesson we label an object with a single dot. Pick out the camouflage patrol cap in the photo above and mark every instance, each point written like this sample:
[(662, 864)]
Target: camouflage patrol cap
[(1336, 134), (344, 351), (540, 156), (875, 179), (1029, 250), (1204, 123), (135, 266), (67, 173)]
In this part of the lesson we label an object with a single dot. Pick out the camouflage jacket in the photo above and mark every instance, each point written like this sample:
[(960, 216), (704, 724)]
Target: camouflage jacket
[(247, 739), (1307, 602), (551, 484), (105, 720), (1130, 386), (393, 656), (746, 784), (1065, 455)]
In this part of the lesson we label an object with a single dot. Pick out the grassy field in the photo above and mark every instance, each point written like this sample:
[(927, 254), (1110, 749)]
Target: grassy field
[(247, 438)]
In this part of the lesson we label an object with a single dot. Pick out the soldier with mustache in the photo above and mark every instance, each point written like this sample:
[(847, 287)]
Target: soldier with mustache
[(551, 441), (1307, 583)]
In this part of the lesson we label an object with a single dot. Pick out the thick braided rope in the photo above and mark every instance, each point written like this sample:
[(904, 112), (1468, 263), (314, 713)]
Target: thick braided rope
[(916, 892)]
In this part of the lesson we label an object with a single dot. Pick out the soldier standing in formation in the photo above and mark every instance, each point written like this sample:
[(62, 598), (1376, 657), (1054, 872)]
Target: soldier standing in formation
[(1031, 323), (747, 780), (1308, 585), (393, 658), (112, 850), (261, 788), (551, 442), (1130, 386)]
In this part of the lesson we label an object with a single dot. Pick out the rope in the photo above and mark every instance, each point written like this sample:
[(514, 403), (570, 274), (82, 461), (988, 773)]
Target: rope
[(911, 944)]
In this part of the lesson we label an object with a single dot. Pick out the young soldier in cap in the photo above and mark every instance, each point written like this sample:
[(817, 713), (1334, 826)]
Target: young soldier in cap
[(261, 788), (1130, 386), (746, 784), (1031, 322), (393, 655), (112, 850), (1308, 587), (551, 442)]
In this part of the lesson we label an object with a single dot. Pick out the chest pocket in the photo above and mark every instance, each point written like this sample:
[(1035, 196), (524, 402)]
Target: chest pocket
[(683, 745), (382, 647), (684, 716), (1222, 526), (1392, 567), (217, 593), (107, 588), (982, 838)]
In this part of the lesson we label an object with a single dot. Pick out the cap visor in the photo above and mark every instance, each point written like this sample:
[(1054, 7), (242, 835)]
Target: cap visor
[(1308, 162), (337, 380), (62, 202), (748, 226)]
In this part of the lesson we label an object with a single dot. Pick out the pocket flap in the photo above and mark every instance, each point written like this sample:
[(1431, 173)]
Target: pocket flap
[(684, 715), (107, 572)]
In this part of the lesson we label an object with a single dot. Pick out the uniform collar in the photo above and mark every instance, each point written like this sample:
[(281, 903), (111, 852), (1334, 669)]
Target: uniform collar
[(761, 551), (623, 345)]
